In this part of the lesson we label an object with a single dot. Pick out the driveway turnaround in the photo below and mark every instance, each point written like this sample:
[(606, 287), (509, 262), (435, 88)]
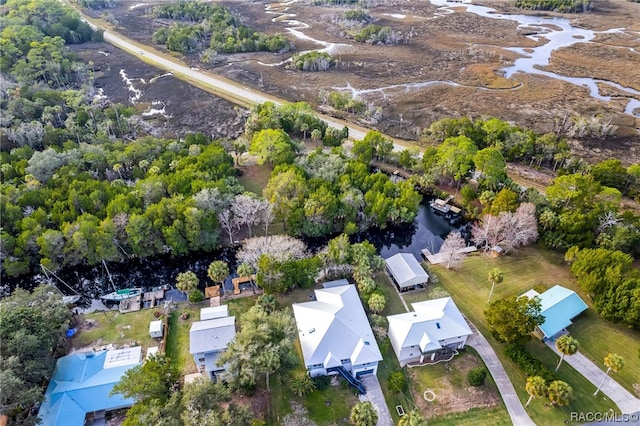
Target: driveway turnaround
[(519, 416), (626, 402), (375, 396)]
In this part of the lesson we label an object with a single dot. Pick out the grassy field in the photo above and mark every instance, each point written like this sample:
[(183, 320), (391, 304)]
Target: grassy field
[(255, 177), (112, 327), (535, 267), (178, 337)]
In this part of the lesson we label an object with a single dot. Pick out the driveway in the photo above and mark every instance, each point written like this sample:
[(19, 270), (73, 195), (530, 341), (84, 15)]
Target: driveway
[(516, 411), (375, 396), (626, 402)]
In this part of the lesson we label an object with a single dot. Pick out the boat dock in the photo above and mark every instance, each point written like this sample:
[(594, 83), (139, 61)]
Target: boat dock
[(438, 258), (149, 299)]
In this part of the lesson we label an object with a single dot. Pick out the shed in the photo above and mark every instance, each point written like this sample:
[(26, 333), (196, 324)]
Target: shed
[(155, 329), (406, 271)]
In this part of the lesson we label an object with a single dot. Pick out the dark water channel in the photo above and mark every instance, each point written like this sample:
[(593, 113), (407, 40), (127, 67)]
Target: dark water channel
[(427, 231)]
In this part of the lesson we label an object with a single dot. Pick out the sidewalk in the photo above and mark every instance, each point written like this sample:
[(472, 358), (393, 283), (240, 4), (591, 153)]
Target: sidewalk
[(626, 402), (516, 411)]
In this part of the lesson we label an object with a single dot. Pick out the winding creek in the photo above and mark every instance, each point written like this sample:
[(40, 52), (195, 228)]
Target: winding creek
[(557, 33), (427, 231)]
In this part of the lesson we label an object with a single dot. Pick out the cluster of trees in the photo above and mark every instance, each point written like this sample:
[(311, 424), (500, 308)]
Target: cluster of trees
[(507, 230), (154, 385), (343, 101), (611, 281), (263, 346), (326, 192), (108, 202), (312, 61), (297, 120), (214, 25), (563, 6), (376, 34), (280, 262), (32, 332), (358, 15)]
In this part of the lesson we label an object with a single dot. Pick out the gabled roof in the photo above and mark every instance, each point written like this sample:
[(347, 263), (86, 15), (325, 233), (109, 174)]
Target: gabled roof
[(431, 322), (211, 335), (214, 312), (82, 382), (334, 327), (559, 306), (406, 270)]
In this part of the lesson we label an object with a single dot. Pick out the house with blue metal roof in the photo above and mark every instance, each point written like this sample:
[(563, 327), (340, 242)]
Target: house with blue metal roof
[(559, 306), (82, 383)]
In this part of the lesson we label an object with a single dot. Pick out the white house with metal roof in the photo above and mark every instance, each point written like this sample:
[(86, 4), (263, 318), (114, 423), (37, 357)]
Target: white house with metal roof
[(335, 334), (435, 327), (406, 272), (208, 340)]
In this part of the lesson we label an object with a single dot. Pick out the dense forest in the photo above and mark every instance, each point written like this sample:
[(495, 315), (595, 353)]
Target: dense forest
[(563, 6)]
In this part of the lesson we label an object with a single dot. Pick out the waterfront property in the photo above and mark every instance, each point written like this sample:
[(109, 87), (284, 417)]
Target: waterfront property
[(559, 306), (434, 329), (406, 272), (208, 339), (335, 335), (82, 383)]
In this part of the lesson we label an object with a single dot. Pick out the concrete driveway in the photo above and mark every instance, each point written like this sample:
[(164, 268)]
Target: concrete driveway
[(375, 396)]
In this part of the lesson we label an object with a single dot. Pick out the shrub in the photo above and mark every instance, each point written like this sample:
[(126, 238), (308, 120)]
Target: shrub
[(528, 363), (397, 381), (196, 296), (476, 376)]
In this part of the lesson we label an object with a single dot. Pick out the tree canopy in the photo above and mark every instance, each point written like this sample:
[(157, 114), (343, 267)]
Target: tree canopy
[(512, 320), (32, 329)]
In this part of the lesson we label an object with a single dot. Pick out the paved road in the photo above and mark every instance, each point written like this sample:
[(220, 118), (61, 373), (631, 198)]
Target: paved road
[(518, 415), (626, 402), (376, 397)]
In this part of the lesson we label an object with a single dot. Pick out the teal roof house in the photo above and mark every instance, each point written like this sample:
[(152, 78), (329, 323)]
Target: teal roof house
[(81, 384), (559, 306)]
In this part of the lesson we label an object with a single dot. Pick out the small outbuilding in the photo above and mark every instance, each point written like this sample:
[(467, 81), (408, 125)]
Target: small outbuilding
[(405, 271), (155, 329), (214, 312)]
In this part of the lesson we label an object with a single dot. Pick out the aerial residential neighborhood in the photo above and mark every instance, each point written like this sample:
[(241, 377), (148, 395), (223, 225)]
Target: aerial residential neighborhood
[(319, 213)]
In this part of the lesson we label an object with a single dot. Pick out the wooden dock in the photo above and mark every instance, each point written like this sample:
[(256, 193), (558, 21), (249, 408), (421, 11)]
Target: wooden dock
[(242, 280), (438, 258), (149, 299)]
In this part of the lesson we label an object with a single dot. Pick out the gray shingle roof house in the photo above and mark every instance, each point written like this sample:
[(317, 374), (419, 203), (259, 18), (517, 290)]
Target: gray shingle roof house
[(435, 327), (334, 332), (406, 271), (208, 339)]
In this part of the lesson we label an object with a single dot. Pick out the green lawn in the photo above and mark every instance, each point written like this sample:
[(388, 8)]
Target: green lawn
[(112, 327), (527, 268), (178, 337)]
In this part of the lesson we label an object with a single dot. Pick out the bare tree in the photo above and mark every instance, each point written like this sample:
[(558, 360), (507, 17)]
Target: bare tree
[(507, 230), (247, 210), (280, 248), (228, 221), (267, 217), (452, 249)]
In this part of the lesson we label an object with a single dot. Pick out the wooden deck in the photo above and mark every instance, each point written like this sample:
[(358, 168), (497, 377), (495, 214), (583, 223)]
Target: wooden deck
[(242, 280), (438, 258)]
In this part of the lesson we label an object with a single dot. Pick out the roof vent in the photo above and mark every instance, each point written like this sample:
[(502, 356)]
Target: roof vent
[(312, 330), (438, 325)]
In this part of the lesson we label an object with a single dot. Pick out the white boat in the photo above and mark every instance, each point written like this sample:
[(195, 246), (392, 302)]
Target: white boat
[(124, 294), (70, 300)]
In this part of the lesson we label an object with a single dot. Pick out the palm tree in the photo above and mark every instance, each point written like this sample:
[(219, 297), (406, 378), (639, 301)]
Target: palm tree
[(412, 418), (536, 388), (559, 392), (363, 414), (187, 282), (302, 384), (246, 270), (495, 277), (566, 345), (613, 362), (218, 271), (376, 303)]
